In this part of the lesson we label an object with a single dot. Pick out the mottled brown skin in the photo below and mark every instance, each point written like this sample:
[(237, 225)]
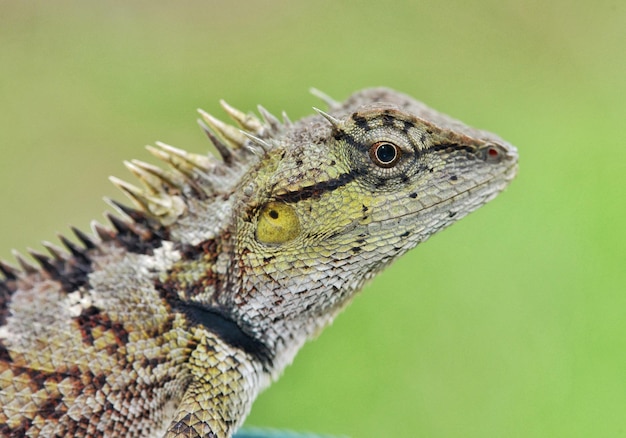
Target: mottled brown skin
[(171, 322)]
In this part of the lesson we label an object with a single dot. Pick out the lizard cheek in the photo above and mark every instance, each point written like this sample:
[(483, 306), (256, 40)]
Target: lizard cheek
[(277, 223)]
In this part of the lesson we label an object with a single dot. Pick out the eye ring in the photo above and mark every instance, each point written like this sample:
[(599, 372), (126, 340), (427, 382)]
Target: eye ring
[(385, 154)]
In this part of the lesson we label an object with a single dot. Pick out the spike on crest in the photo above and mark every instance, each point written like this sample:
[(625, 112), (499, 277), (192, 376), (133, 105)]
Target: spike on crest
[(223, 149), (182, 167), (102, 232), (256, 140), (9, 272), (152, 183), (26, 266), (170, 179), (56, 252), (74, 250), (286, 120), (335, 122), (131, 213), (201, 162), (246, 121), (120, 225), (230, 134), (329, 101), (164, 208), (84, 239), (134, 193), (270, 119), (45, 262)]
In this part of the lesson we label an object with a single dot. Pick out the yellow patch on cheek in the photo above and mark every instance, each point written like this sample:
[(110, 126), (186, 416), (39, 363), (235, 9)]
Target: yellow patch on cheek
[(277, 223)]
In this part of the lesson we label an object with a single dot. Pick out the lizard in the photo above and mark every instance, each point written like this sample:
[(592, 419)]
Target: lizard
[(170, 320)]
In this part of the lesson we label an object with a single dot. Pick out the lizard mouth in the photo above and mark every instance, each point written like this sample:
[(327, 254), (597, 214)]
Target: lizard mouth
[(504, 177)]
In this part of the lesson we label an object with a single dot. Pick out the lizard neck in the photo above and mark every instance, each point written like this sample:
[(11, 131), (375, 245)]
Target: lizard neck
[(267, 314)]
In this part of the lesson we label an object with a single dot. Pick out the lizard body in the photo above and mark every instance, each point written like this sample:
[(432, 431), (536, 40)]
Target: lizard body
[(172, 320)]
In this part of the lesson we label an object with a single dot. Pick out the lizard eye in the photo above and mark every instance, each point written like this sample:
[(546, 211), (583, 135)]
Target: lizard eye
[(385, 154)]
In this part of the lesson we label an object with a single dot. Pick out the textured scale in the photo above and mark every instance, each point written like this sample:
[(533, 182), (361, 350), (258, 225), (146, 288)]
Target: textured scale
[(171, 320)]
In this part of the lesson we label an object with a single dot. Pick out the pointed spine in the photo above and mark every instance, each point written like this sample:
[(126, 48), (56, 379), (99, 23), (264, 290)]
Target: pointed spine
[(86, 240), (183, 169), (79, 253), (198, 161), (121, 226), (335, 122), (45, 263), (286, 120), (56, 252), (146, 203), (26, 266), (230, 134), (272, 123), (133, 214), (248, 122), (135, 194), (329, 101), (103, 233), (167, 178), (259, 142), (152, 183), (9, 272), (223, 149)]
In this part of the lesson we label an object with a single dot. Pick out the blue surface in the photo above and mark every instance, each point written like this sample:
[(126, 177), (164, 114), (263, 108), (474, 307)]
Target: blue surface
[(272, 433)]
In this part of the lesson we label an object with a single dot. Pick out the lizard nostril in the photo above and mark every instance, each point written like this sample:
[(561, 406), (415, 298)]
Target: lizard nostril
[(493, 154)]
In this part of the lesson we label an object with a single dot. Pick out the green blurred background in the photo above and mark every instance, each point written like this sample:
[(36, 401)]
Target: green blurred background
[(511, 323)]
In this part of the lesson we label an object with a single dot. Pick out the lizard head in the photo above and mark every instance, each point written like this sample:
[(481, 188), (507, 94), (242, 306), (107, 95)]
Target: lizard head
[(282, 233), (339, 196)]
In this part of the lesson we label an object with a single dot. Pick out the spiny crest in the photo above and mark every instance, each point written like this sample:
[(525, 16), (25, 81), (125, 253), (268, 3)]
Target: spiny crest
[(69, 266), (165, 194)]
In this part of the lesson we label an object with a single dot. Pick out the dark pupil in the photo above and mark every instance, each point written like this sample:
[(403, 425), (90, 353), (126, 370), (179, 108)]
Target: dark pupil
[(386, 153)]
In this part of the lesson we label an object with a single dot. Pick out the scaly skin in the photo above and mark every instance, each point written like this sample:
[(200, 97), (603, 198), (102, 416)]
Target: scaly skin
[(171, 322)]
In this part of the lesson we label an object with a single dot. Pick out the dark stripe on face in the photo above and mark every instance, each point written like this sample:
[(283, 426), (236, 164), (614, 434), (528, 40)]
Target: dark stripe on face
[(348, 138), (361, 122), (317, 190), (451, 147), (388, 120)]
